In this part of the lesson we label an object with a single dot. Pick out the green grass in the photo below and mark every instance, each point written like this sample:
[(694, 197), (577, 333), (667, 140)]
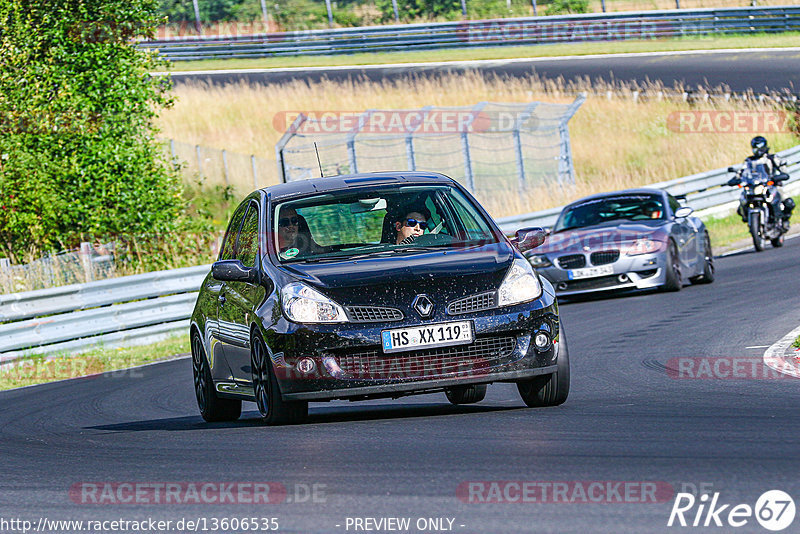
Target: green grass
[(39, 370), (783, 40)]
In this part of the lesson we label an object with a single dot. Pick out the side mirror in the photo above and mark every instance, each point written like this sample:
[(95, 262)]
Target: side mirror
[(529, 238), (780, 177), (234, 271), (683, 212)]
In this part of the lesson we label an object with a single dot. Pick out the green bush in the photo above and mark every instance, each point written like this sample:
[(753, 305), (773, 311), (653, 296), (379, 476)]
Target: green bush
[(560, 7), (78, 156)]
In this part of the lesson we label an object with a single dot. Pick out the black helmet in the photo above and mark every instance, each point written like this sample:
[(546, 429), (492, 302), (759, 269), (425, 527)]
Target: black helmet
[(759, 146)]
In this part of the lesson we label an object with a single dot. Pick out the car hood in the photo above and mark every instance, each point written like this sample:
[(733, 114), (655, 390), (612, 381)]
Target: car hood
[(448, 274), (603, 237)]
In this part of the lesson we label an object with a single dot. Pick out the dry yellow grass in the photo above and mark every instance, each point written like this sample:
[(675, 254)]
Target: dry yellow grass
[(616, 142)]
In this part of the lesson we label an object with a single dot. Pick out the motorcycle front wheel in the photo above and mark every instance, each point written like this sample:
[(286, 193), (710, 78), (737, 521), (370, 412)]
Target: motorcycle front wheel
[(754, 223)]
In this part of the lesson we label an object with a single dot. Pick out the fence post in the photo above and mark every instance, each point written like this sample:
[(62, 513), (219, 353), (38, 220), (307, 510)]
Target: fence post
[(330, 13), (255, 174), (351, 141), (535, 11), (172, 151), (282, 142), (396, 13), (225, 167), (199, 163), (518, 145), (86, 261), (469, 172), (565, 167), (412, 161)]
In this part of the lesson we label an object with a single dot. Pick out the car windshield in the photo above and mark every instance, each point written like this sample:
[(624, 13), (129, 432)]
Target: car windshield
[(634, 207), (378, 221)]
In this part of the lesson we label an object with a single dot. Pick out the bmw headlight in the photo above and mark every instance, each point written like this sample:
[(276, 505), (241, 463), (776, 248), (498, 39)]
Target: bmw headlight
[(644, 246), (539, 261), (520, 285), (759, 189), (303, 304)]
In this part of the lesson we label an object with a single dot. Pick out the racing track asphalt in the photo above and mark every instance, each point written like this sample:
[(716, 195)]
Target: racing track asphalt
[(626, 420), (743, 70)]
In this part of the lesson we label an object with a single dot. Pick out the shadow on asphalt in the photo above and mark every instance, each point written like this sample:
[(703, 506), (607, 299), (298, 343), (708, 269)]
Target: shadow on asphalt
[(316, 415)]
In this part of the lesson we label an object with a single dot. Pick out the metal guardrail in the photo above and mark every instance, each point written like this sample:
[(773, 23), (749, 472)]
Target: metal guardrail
[(497, 32), (146, 307), (705, 191), (81, 316)]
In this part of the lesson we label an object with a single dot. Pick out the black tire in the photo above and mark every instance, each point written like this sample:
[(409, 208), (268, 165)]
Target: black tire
[(212, 407), (708, 265), (673, 282), (466, 394), (759, 243), (777, 242), (552, 389), (273, 409)]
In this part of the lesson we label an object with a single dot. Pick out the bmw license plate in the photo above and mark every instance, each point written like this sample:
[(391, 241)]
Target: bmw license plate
[(590, 272), (427, 336)]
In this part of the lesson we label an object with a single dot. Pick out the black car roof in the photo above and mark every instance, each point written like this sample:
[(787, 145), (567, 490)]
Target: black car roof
[(352, 181), (638, 191)]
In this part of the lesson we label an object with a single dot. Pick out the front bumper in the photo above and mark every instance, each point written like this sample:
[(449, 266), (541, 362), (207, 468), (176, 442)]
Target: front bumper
[(350, 364), (630, 273)]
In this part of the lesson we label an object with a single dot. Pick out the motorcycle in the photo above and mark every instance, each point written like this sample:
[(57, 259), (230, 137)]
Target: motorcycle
[(761, 204)]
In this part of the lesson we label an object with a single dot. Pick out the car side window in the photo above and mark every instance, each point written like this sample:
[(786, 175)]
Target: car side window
[(247, 249), (228, 251), (674, 205)]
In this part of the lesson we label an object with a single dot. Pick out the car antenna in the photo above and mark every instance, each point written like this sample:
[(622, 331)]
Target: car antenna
[(321, 174)]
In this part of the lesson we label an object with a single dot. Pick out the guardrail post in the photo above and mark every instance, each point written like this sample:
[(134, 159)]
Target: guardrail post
[(255, 174), (86, 261), (225, 166)]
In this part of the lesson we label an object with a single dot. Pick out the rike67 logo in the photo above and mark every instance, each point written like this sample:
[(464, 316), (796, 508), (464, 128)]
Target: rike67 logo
[(774, 510)]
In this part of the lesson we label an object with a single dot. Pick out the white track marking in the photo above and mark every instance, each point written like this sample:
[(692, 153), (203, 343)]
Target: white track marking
[(773, 357)]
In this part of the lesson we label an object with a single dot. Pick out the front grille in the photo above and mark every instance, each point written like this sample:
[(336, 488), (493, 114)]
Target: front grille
[(592, 283), (473, 303), (604, 257), (572, 261), (373, 314), (482, 354)]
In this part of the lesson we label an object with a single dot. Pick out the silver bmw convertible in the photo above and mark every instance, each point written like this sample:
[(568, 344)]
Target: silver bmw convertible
[(625, 240)]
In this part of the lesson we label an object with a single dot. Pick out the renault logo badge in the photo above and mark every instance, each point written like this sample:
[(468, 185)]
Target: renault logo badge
[(423, 305)]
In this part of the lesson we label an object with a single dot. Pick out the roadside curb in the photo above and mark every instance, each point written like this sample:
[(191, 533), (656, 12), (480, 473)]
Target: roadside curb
[(783, 357)]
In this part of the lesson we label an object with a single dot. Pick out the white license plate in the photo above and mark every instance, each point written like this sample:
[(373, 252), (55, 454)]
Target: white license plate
[(427, 336), (590, 272)]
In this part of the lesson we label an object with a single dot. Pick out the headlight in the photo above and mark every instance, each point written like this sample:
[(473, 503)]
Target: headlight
[(303, 304), (644, 246), (519, 285), (539, 261), (759, 189)]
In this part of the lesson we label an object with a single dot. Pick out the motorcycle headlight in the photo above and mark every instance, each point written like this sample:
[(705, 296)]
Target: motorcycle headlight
[(643, 246), (303, 304), (520, 285), (539, 261), (759, 189)]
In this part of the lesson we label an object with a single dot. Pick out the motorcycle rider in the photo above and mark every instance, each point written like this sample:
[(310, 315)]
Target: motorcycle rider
[(773, 164)]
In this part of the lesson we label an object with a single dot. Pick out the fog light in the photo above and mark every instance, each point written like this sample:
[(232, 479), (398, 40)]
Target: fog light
[(306, 365), (542, 341), (562, 286), (622, 278)]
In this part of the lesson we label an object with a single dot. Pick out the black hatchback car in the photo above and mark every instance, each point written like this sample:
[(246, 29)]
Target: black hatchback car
[(368, 286)]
